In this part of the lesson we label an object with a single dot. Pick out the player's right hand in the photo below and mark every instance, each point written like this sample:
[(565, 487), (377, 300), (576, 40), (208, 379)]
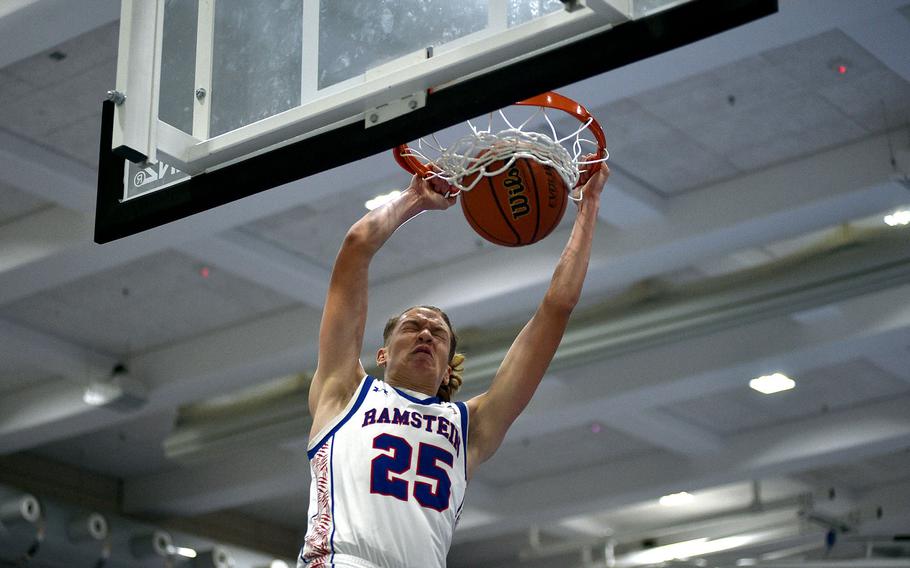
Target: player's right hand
[(431, 193)]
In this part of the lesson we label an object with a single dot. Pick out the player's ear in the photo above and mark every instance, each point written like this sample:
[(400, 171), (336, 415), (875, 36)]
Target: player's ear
[(447, 376), (381, 357)]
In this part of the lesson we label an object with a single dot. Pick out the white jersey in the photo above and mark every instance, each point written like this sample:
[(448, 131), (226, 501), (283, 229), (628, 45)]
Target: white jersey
[(388, 481)]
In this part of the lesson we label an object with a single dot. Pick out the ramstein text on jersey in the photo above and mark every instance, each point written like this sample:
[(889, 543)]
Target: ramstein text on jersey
[(438, 424)]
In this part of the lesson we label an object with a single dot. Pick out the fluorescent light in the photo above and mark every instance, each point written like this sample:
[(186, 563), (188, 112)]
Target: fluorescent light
[(770, 384), (675, 499), (187, 552), (900, 217), (119, 391), (99, 393), (278, 564), (685, 549), (382, 199)]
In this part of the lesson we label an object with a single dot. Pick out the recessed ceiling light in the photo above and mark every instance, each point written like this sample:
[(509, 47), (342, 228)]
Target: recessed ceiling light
[(676, 499), (382, 199), (770, 384), (899, 217), (185, 552)]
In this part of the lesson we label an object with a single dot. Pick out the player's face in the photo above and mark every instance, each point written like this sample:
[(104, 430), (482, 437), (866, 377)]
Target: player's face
[(419, 346)]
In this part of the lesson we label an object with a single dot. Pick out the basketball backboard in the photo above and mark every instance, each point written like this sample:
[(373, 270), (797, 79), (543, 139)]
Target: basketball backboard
[(243, 96)]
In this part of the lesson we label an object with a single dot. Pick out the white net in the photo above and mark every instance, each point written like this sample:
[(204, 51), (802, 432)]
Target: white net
[(483, 152)]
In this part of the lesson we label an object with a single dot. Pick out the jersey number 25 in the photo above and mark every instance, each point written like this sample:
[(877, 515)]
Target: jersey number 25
[(399, 462)]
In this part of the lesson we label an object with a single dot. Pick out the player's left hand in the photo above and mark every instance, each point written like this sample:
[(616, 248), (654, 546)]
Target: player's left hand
[(592, 184)]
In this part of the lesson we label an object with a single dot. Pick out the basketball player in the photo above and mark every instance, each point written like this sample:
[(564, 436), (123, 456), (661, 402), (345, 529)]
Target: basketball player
[(389, 458)]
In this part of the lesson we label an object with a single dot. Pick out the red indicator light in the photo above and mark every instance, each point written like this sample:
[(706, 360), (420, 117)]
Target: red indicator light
[(842, 69), (204, 272)]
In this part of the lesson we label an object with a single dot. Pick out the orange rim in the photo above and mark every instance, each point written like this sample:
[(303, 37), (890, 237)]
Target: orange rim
[(549, 100)]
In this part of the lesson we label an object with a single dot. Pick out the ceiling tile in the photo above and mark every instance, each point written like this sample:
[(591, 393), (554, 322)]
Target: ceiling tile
[(819, 391), (705, 97), (811, 62), (519, 460), (40, 112), (865, 475), (879, 100), (778, 130), (79, 140), (82, 53), (19, 375), (672, 163), (146, 303), (129, 449), (15, 203), (11, 88)]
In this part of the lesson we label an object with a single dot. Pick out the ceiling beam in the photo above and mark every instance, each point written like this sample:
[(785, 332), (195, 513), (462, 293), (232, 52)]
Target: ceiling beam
[(50, 354), (246, 477), (665, 431), (814, 442), (712, 363)]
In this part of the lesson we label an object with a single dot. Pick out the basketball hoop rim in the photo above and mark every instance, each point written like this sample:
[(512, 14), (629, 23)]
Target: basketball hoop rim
[(549, 99)]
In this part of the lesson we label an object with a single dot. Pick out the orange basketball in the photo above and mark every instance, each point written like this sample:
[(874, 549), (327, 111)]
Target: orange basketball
[(518, 207)]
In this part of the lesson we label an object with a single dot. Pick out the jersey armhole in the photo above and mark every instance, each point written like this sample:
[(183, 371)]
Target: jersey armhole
[(463, 409), (338, 421)]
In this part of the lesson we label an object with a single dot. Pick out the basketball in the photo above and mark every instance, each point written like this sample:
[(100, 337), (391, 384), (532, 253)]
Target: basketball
[(517, 207)]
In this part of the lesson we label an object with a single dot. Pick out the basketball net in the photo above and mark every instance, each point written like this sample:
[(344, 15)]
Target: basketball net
[(483, 152)]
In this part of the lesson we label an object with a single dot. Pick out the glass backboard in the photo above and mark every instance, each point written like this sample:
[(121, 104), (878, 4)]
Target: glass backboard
[(210, 91)]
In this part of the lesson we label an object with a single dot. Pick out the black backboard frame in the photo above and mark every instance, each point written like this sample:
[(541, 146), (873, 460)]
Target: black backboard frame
[(619, 46)]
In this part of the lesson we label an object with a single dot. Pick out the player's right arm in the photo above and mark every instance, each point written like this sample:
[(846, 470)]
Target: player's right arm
[(339, 370)]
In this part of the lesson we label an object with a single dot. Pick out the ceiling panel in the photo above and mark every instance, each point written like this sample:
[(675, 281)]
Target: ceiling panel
[(148, 302), (888, 109), (657, 152), (12, 87), (79, 139), (82, 53), (130, 449), (15, 203), (577, 448), (865, 475), (821, 390), (288, 511), (19, 376), (811, 62), (316, 231)]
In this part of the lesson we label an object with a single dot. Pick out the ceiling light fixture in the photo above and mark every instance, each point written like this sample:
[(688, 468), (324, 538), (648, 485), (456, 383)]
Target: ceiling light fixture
[(684, 550), (185, 552), (900, 217), (676, 499), (382, 199), (770, 384), (120, 391)]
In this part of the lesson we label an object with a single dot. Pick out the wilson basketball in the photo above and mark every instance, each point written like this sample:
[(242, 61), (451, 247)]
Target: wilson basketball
[(518, 207)]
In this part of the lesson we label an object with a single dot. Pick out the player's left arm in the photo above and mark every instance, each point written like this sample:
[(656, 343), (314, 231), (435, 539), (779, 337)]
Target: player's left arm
[(493, 412)]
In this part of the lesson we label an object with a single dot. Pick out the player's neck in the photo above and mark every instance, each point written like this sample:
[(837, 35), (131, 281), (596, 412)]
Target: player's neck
[(411, 385)]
